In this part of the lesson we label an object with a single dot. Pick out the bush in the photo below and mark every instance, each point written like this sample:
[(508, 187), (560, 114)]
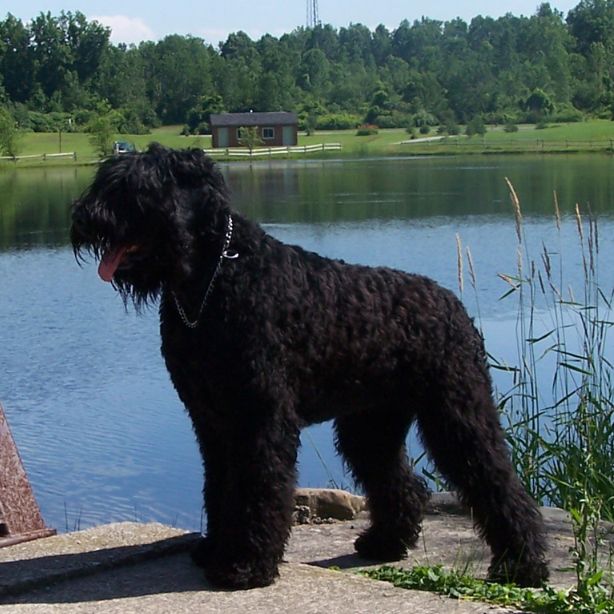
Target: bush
[(510, 127), (366, 130), (452, 128), (425, 129), (395, 119), (338, 121), (567, 113), (48, 122), (475, 126), (424, 118)]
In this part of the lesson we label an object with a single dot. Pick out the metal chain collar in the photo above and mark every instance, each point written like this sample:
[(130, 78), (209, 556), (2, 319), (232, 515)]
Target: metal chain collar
[(227, 254)]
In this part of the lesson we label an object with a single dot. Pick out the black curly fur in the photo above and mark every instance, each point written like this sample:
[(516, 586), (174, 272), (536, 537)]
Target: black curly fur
[(289, 338)]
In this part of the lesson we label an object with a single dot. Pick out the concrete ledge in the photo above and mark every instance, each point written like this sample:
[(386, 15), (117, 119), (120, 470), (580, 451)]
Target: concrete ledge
[(38, 563), (132, 567)]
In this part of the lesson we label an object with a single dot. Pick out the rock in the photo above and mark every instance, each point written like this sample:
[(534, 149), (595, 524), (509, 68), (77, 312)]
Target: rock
[(329, 503)]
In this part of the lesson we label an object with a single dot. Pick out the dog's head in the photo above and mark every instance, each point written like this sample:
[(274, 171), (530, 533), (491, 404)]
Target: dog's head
[(150, 218)]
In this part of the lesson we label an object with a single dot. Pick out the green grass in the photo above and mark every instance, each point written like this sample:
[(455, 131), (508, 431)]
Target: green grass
[(453, 584), (594, 135)]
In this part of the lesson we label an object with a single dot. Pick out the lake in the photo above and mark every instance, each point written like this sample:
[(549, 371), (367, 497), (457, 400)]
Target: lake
[(97, 422)]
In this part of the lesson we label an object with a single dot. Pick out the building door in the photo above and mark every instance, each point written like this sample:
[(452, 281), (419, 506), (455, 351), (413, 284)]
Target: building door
[(288, 136), (222, 137)]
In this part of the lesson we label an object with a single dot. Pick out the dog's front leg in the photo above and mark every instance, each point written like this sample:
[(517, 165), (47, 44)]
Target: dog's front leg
[(213, 451), (254, 510)]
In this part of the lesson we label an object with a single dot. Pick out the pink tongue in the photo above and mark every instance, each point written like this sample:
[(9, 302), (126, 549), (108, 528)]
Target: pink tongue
[(109, 263)]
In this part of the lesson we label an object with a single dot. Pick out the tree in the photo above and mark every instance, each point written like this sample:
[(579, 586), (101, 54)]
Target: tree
[(178, 72), (16, 60), (249, 137), (87, 42), (539, 103), (51, 56), (199, 116), (476, 126), (102, 129), (9, 135)]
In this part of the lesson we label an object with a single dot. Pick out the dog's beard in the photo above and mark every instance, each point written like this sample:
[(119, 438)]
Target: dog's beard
[(142, 293), (132, 272)]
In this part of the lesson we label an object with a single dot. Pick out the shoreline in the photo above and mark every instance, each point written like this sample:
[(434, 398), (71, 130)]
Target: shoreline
[(595, 137), (447, 152)]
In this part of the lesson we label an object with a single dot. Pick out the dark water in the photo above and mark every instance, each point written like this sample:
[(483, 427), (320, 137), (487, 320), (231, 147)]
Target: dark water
[(97, 422)]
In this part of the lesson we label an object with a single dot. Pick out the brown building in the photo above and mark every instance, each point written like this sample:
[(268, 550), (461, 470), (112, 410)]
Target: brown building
[(274, 129)]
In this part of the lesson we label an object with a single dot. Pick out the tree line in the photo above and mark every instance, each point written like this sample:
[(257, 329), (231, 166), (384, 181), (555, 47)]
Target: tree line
[(62, 72)]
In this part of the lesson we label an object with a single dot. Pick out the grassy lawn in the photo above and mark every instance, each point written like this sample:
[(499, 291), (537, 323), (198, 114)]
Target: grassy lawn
[(595, 135)]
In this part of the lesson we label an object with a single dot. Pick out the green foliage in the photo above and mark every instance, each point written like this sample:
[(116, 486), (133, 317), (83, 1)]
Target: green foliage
[(199, 116), (529, 67), (393, 119), (476, 126), (366, 130), (564, 449), (539, 104), (249, 137), (596, 599), (9, 135), (423, 118), (337, 121), (47, 122), (102, 128), (451, 128), (566, 113)]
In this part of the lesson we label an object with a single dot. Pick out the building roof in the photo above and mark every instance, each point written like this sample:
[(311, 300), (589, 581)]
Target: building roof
[(280, 118)]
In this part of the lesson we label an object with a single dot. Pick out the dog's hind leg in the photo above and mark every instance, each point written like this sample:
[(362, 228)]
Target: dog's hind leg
[(460, 427), (373, 446)]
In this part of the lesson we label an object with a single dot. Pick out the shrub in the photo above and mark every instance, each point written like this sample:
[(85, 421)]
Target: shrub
[(475, 126), (567, 113), (367, 130), (510, 127), (425, 129), (452, 128), (395, 119), (338, 121)]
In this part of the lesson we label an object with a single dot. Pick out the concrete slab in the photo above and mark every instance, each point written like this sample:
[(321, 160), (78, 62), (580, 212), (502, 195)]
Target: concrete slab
[(168, 582), (132, 567)]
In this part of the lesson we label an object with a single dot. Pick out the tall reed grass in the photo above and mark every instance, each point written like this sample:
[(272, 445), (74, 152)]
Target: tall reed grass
[(558, 408)]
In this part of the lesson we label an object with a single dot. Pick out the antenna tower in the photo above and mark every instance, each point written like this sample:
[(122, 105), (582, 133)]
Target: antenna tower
[(313, 18)]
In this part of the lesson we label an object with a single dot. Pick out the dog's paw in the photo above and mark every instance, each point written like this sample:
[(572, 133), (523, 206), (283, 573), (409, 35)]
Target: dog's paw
[(240, 575), (523, 572), (379, 546)]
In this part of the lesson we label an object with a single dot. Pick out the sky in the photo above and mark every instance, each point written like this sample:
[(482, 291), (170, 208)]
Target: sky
[(132, 21)]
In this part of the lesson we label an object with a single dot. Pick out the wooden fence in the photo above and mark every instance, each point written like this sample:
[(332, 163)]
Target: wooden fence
[(271, 151), (44, 157)]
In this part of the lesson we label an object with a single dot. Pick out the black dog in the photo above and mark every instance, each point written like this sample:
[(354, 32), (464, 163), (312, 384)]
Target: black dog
[(262, 338)]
